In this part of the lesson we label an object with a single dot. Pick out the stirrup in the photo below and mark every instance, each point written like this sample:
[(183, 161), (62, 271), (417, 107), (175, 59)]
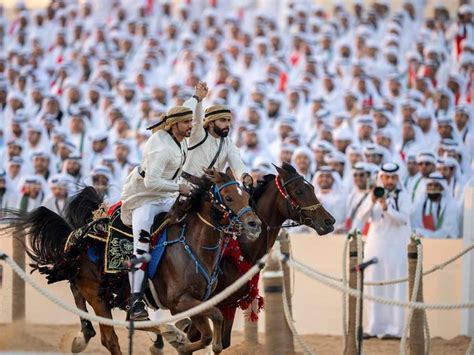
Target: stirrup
[(138, 311)]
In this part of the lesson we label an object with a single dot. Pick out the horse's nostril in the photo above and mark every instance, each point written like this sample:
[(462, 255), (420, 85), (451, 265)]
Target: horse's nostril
[(329, 222), (252, 224)]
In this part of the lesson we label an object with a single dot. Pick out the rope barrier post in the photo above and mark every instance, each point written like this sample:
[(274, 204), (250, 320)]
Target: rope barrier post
[(18, 284), (417, 336), (351, 346), (250, 328), (277, 332), (285, 247)]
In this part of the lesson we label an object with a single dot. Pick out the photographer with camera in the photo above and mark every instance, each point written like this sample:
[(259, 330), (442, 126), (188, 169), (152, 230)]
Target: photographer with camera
[(388, 210)]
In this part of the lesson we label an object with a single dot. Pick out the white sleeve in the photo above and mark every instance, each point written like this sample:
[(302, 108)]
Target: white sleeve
[(197, 132), (159, 158), (235, 161), (402, 215), (365, 210)]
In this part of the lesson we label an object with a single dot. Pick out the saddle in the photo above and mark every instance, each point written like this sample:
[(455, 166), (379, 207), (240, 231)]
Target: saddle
[(116, 239)]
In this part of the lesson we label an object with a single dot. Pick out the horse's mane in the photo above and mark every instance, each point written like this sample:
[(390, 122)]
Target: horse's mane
[(198, 196), (263, 184), (79, 209)]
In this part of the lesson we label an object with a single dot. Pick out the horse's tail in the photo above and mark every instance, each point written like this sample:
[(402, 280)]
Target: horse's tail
[(78, 211), (47, 233)]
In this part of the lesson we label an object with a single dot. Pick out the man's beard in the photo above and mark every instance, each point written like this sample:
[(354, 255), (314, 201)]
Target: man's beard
[(434, 196), (74, 173), (221, 132)]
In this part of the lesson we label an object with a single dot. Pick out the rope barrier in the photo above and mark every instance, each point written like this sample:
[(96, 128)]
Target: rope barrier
[(395, 281), (359, 284), (308, 271), (470, 349), (344, 295), (142, 324), (291, 324), (427, 334)]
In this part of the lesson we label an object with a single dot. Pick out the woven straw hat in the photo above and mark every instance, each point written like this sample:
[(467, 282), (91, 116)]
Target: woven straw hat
[(216, 112), (177, 114)]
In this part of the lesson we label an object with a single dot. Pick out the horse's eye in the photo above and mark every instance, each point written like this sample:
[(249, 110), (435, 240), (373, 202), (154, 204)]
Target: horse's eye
[(298, 192), (229, 199)]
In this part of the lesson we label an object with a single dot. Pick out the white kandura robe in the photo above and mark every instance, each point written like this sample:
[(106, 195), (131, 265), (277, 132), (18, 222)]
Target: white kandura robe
[(206, 147), (387, 240)]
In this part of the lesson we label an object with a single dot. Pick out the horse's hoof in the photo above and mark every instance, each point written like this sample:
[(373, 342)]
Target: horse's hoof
[(156, 351), (216, 349), (79, 344)]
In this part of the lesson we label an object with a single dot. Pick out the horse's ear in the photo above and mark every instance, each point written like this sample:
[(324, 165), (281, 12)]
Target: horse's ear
[(280, 171), (210, 175), (229, 172), (217, 175)]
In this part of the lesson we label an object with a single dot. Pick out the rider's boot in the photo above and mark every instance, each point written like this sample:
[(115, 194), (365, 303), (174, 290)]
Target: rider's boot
[(138, 311)]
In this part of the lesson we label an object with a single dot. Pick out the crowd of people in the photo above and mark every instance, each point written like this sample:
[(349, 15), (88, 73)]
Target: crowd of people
[(335, 91), (373, 105)]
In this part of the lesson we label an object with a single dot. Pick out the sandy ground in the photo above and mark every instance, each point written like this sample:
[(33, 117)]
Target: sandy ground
[(46, 338)]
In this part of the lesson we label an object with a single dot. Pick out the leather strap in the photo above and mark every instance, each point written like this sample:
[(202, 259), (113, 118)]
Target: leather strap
[(191, 178), (201, 142), (221, 143)]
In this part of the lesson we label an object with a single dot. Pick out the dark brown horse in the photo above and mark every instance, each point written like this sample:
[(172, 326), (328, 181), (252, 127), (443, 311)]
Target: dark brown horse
[(287, 196), (178, 285)]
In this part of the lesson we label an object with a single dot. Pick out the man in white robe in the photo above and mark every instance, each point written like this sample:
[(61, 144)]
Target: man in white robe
[(436, 214), (358, 194), (210, 146), (426, 161), (153, 187), (332, 194), (387, 239), (57, 199)]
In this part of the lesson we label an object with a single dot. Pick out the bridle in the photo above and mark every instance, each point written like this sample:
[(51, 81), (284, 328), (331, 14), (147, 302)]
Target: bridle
[(281, 186), (235, 221)]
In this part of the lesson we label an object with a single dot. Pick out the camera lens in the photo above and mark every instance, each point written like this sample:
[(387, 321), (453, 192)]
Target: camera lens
[(379, 191)]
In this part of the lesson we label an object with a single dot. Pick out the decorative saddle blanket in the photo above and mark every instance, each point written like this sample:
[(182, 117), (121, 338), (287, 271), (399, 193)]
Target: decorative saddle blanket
[(118, 239)]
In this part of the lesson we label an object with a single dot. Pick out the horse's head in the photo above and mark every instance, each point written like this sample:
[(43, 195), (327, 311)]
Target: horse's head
[(301, 202), (229, 196)]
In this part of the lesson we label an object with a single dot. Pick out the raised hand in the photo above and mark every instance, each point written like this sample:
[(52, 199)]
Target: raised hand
[(201, 90)]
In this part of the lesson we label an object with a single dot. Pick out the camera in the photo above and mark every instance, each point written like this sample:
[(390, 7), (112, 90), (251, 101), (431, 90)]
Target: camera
[(379, 192)]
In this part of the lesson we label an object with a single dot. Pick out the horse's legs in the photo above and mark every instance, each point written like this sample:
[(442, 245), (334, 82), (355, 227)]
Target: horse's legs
[(87, 332), (202, 325), (107, 333), (227, 331)]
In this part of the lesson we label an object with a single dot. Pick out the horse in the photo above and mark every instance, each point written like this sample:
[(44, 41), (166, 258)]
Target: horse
[(196, 242), (286, 196)]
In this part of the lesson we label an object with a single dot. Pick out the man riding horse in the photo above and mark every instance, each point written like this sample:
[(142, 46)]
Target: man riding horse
[(152, 187), (211, 147)]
